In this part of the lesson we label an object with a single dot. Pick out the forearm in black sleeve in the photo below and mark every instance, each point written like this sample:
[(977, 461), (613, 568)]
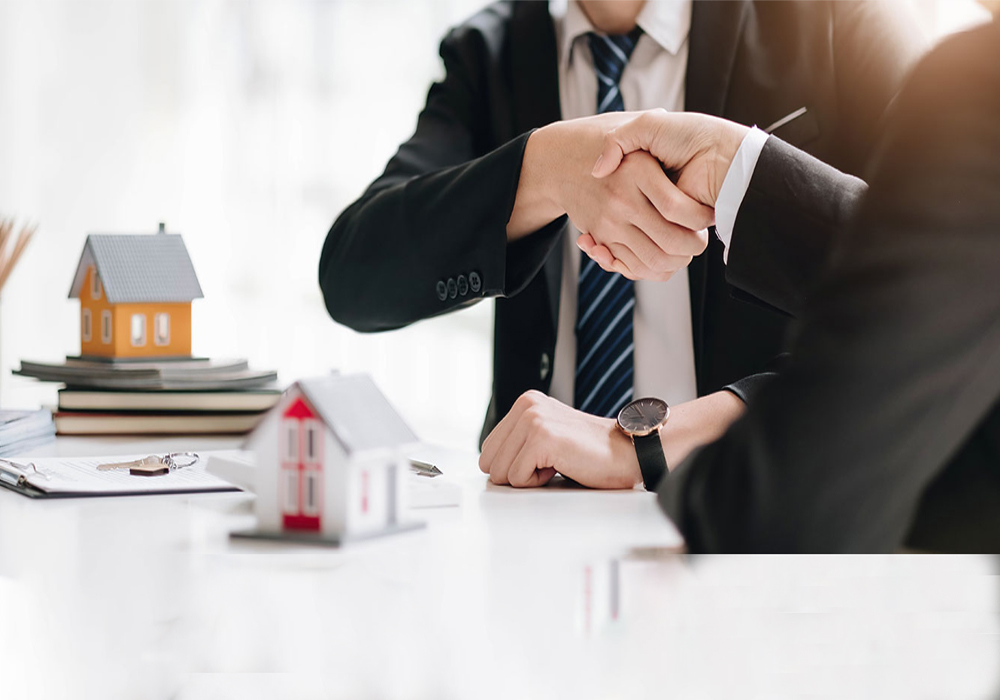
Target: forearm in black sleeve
[(430, 234), (793, 208), (898, 357)]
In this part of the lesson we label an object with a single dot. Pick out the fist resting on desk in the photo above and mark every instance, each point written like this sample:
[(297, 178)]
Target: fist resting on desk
[(542, 437)]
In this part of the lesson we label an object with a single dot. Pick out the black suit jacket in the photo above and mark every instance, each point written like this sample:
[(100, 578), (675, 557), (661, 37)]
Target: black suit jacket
[(883, 431), (429, 235)]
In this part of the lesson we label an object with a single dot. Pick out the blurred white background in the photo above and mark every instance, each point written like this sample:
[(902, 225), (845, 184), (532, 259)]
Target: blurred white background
[(247, 126)]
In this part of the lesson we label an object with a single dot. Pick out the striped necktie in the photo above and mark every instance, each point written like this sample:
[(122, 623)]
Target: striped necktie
[(605, 301)]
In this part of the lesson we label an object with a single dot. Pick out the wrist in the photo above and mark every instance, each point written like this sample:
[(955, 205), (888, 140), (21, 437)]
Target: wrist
[(697, 423), (553, 146), (624, 459), (535, 202), (727, 144)]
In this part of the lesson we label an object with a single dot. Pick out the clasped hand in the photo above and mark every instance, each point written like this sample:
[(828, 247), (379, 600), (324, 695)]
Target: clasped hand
[(696, 148), (633, 218), (648, 224)]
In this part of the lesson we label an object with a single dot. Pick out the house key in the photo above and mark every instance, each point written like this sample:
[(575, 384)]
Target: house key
[(153, 465)]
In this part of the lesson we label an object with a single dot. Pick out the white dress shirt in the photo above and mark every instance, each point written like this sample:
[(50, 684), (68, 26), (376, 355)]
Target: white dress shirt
[(734, 187), (653, 77)]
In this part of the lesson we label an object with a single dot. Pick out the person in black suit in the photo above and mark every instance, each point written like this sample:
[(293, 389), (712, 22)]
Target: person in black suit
[(883, 430), (462, 212)]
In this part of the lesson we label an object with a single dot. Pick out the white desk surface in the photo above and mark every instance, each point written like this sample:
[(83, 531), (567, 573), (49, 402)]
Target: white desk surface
[(551, 593)]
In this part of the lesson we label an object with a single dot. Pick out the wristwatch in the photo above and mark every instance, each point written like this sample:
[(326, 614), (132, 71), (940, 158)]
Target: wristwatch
[(641, 420)]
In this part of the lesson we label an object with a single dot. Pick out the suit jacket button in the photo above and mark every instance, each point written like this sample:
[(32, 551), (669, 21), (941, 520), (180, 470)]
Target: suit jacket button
[(463, 285), (475, 283), (452, 288), (544, 366), (442, 290)]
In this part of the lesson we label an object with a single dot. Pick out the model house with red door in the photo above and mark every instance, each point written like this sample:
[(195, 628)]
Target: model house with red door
[(331, 461)]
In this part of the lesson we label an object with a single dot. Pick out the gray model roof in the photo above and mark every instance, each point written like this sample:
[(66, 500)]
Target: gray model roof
[(357, 412), (139, 268)]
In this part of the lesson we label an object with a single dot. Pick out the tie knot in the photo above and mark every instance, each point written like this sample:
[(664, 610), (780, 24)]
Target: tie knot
[(611, 53)]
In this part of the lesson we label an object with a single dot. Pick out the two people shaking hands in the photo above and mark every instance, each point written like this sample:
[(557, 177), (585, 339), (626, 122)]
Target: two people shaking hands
[(824, 373)]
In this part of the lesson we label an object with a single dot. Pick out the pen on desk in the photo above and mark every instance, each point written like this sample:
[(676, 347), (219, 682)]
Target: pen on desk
[(424, 468)]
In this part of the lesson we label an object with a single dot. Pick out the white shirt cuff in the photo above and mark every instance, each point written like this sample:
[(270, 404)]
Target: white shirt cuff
[(734, 187)]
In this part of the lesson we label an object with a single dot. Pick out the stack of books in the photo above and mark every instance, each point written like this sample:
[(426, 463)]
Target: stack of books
[(175, 396), (22, 431)]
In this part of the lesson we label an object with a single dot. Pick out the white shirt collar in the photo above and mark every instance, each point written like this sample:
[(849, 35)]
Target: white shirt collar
[(667, 22)]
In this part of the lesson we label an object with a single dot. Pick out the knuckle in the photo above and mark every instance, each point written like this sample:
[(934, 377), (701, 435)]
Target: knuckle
[(530, 398), (668, 202), (660, 261), (617, 197)]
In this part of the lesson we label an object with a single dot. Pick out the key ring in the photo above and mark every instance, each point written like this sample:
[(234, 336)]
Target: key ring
[(180, 460)]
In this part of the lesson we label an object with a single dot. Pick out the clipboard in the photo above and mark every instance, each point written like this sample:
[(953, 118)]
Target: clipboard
[(78, 477)]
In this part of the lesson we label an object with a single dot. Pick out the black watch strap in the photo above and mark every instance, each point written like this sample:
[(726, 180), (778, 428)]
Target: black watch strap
[(652, 463)]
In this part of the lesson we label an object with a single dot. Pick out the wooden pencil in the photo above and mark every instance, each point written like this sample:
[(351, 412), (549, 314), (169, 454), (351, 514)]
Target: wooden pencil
[(10, 254)]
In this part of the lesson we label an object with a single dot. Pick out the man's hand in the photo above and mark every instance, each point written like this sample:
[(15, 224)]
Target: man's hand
[(696, 148), (651, 226), (541, 436)]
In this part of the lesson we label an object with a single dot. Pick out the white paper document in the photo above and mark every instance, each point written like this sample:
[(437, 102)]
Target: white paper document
[(80, 476)]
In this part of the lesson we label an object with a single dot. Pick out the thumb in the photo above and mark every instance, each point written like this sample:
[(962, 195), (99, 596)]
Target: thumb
[(611, 156), (634, 135)]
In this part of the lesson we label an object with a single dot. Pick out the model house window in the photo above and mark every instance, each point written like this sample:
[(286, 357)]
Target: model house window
[(161, 329), (87, 330), (95, 285), (291, 441), (291, 491), (310, 505), (312, 442), (105, 327), (138, 328)]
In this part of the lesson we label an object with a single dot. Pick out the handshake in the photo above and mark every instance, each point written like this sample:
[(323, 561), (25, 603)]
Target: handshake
[(641, 187)]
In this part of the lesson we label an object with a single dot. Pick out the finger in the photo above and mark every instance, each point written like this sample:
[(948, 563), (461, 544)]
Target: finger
[(491, 443), (544, 476), (500, 468), (623, 270), (529, 467), (498, 436), (677, 208), (625, 254), (586, 243), (601, 252), (522, 468), (635, 135), (603, 257), (664, 236), (641, 241)]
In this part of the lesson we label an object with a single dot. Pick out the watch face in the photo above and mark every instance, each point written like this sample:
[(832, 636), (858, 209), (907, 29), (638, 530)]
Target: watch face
[(643, 416)]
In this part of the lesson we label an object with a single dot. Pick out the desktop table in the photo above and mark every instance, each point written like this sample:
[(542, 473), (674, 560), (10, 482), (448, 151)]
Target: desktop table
[(559, 592)]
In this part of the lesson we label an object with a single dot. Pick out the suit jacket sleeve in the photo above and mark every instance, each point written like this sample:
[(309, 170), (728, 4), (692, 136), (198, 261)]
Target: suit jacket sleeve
[(439, 210), (898, 355), (874, 47), (790, 216)]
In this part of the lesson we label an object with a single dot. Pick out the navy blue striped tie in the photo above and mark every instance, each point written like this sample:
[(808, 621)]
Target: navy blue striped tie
[(605, 301)]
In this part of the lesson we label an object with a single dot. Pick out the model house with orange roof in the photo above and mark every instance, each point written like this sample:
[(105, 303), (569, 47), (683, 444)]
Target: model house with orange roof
[(135, 295), (331, 460)]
